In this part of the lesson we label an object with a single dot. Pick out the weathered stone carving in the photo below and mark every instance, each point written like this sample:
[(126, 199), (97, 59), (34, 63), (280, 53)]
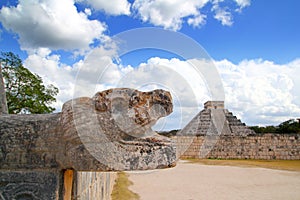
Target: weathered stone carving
[(22, 185), (111, 131), (134, 111)]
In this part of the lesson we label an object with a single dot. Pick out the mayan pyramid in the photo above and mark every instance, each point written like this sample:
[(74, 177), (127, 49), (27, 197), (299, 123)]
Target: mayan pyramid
[(214, 119)]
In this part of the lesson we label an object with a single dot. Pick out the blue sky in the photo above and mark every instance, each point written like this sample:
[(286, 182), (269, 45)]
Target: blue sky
[(267, 29), (252, 42)]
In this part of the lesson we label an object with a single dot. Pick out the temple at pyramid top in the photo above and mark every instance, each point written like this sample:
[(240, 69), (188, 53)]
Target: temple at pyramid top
[(214, 119), (214, 105)]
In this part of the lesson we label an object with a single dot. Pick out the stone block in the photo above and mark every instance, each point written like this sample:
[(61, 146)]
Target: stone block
[(21, 185)]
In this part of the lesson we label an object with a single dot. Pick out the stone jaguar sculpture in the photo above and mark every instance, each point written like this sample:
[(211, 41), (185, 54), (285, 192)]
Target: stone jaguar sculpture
[(133, 111), (110, 131)]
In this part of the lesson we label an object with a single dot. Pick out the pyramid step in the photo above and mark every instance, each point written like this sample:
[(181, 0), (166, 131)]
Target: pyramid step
[(203, 123)]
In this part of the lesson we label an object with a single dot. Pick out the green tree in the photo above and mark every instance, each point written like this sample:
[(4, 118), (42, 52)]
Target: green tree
[(267, 129), (289, 126), (25, 91)]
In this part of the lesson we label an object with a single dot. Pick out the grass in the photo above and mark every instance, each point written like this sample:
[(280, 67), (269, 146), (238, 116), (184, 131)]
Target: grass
[(121, 190), (291, 165)]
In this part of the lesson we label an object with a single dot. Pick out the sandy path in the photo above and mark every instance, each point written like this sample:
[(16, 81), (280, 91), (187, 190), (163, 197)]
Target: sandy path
[(195, 182)]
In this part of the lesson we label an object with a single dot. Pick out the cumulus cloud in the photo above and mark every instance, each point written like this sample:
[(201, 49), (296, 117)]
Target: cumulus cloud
[(180, 78), (84, 78), (170, 14), (261, 92), (242, 4), (56, 24), (112, 7), (52, 24), (197, 21), (52, 71), (97, 72), (222, 15), (257, 91)]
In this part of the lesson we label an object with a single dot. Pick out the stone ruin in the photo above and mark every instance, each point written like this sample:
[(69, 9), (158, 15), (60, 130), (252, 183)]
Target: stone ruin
[(216, 133), (109, 132), (40, 154), (214, 119)]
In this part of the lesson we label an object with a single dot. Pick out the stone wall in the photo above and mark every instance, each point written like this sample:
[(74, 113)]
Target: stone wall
[(267, 146), (94, 185)]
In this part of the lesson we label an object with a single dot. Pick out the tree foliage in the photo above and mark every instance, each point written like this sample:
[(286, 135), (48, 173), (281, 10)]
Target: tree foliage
[(267, 129), (25, 91), (289, 126)]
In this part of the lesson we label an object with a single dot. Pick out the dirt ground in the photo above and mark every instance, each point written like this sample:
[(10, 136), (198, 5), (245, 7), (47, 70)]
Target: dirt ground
[(194, 181)]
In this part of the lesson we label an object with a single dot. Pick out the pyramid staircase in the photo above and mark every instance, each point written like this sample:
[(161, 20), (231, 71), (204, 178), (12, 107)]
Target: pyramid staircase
[(214, 119)]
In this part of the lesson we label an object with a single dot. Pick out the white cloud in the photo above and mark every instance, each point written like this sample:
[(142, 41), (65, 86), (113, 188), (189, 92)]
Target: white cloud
[(88, 11), (243, 3), (197, 21), (180, 78), (222, 15), (53, 72), (257, 91), (261, 92), (112, 7), (52, 24), (170, 14), (97, 72), (56, 24), (84, 78)]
